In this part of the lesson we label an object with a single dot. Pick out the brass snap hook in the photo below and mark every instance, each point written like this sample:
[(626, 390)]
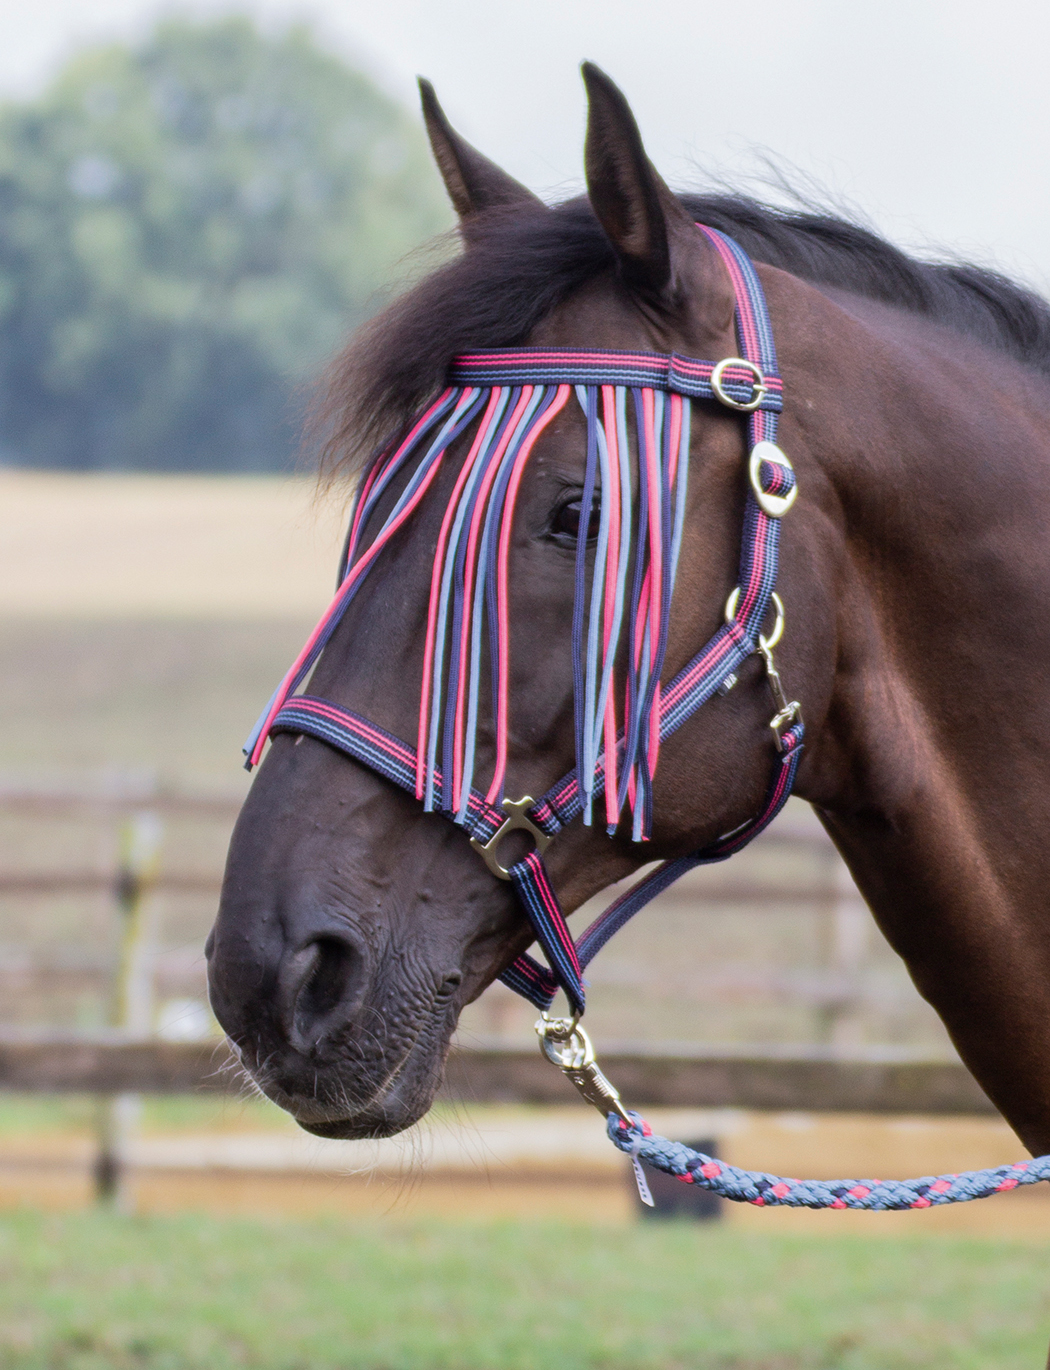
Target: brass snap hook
[(566, 1045), (517, 817)]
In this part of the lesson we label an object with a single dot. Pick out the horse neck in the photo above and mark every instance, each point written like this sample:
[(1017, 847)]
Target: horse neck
[(929, 459), (931, 456)]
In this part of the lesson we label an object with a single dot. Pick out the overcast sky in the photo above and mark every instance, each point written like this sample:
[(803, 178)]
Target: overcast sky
[(933, 119)]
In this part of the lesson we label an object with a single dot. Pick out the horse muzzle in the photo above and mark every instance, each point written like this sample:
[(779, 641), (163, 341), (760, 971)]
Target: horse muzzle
[(321, 1024)]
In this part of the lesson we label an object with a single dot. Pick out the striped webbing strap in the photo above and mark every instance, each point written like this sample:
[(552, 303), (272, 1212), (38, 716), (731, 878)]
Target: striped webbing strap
[(675, 374), (713, 666)]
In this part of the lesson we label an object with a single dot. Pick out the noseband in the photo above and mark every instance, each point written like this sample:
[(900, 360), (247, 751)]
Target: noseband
[(513, 395)]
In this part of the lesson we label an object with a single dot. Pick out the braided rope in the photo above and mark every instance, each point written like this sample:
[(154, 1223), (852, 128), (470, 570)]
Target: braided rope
[(773, 1191)]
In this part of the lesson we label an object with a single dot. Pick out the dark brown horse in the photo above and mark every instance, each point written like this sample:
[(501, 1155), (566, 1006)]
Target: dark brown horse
[(916, 574)]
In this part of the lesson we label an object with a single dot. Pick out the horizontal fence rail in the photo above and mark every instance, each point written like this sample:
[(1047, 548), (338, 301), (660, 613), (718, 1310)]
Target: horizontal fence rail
[(101, 882), (47, 803), (809, 1081)]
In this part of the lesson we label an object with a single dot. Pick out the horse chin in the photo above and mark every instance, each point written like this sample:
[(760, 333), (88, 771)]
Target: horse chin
[(396, 1107), (336, 1098)]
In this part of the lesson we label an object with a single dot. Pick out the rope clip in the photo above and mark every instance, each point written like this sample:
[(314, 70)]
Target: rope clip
[(566, 1045), (787, 711)]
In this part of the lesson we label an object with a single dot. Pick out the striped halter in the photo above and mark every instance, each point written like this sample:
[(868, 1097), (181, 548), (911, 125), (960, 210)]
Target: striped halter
[(621, 610)]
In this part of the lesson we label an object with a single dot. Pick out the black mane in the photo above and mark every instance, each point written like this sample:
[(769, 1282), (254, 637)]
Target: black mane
[(522, 263)]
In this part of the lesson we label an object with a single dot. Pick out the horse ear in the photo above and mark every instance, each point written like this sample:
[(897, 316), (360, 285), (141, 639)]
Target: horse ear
[(473, 182), (642, 218)]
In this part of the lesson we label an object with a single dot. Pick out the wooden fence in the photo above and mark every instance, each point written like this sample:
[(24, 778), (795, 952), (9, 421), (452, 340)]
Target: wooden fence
[(835, 992), (814, 1080), (124, 1060), (832, 1076)]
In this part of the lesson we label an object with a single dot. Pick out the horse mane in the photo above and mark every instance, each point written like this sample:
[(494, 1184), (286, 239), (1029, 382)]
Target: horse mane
[(523, 262)]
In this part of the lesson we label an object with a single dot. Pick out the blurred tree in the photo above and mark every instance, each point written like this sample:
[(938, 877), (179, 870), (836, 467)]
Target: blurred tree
[(186, 230)]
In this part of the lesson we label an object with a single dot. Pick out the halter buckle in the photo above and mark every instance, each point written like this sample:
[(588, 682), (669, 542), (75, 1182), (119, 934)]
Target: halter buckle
[(775, 506), (758, 384), (517, 817)]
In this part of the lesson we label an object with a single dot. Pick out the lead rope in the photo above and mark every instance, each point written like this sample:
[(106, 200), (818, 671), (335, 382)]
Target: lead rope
[(566, 1044)]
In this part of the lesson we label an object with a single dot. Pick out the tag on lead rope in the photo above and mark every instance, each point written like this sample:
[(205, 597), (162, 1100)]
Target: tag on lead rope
[(639, 1178)]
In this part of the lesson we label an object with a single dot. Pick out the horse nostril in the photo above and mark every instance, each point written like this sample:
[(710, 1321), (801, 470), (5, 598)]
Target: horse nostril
[(324, 970)]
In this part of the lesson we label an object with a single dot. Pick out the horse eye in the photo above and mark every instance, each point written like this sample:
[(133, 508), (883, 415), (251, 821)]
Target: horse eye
[(566, 520)]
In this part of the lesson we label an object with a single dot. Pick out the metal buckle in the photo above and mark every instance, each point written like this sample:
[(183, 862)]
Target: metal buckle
[(758, 392), (776, 506), (778, 627), (518, 817), (566, 1045), (790, 713)]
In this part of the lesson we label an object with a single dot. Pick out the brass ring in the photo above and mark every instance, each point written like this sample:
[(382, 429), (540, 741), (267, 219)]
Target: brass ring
[(759, 386), (778, 627)]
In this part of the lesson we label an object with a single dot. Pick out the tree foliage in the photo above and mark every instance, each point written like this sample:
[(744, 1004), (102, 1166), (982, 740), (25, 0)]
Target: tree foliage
[(187, 229)]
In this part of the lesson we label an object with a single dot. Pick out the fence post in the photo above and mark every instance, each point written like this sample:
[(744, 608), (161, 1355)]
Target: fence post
[(131, 1006)]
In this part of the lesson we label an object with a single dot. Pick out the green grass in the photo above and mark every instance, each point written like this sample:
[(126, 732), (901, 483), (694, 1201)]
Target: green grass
[(97, 1292), (22, 1114)]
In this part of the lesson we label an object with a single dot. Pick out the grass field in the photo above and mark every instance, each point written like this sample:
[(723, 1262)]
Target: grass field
[(88, 1292), (91, 1292)]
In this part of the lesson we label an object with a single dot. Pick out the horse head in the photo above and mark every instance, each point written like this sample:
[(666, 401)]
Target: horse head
[(354, 924)]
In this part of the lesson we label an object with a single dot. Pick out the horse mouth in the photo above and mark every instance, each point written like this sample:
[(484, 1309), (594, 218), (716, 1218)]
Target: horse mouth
[(346, 1100)]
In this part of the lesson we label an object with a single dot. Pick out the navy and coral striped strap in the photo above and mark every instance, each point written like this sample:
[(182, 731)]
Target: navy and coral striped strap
[(536, 982), (605, 366), (388, 756), (382, 752)]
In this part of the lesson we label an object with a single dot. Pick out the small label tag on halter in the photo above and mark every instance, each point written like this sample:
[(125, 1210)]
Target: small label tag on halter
[(639, 1178)]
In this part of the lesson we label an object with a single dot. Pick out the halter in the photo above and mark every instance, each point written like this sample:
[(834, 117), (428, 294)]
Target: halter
[(511, 396)]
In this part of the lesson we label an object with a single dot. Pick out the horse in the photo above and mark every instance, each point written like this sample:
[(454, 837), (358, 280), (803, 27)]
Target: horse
[(354, 923)]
